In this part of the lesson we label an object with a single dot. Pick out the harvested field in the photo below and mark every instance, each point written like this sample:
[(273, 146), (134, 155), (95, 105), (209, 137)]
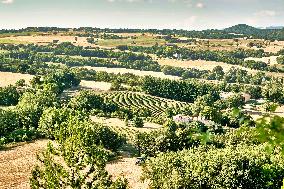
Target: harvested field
[(16, 163), (268, 60), (94, 85), (209, 65), (139, 41), (82, 41), (9, 78), (12, 41), (199, 64), (135, 72)]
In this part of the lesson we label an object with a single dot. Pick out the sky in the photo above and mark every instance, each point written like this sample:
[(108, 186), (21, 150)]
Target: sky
[(158, 14)]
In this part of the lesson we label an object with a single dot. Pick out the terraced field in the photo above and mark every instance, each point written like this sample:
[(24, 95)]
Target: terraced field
[(156, 105)]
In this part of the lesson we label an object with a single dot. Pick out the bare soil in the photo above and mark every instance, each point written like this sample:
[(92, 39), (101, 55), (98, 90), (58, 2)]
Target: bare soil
[(127, 168), (9, 78), (16, 163)]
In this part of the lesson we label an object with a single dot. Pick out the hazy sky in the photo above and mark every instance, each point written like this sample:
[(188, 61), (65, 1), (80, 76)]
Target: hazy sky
[(179, 14)]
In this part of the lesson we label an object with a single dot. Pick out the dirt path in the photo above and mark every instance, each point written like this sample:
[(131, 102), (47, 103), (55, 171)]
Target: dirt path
[(17, 162)]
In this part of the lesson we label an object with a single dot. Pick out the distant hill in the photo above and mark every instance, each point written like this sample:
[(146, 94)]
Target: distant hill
[(242, 29), (271, 33), (274, 27)]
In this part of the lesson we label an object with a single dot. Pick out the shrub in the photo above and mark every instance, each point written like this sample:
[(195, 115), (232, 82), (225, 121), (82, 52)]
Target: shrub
[(280, 60), (32, 105), (86, 100), (171, 138), (52, 118), (138, 122), (9, 121), (9, 96), (84, 173), (248, 167)]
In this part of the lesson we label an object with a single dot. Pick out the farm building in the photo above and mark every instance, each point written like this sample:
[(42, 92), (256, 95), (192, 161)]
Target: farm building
[(177, 56), (182, 119), (187, 119)]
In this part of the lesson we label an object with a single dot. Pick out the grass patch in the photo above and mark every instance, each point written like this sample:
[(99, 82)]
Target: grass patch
[(10, 41), (140, 41)]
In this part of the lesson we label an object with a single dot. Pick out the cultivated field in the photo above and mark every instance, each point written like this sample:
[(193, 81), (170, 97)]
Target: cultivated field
[(9, 78), (135, 72), (38, 39), (199, 64), (230, 44), (139, 40), (154, 104), (94, 85)]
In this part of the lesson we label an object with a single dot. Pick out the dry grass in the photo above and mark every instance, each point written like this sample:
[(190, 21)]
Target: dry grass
[(147, 40), (271, 59), (209, 65), (126, 168), (9, 78), (12, 41), (115, 122), (140, 41), (199, 64), (16, 163), (230, 45), (135, 72), (94, 85), (82, 41)]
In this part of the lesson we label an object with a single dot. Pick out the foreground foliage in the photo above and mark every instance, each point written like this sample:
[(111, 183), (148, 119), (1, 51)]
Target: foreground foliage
[(232, 167)]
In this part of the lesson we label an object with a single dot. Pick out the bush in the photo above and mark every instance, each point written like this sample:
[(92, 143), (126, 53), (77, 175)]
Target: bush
[(171, 138), (138, 122), (280, 60), (83, 173), (9, 121), (32, 105), (52, 118), (85, 132), (9, 96), (248, 167), (86, 100)]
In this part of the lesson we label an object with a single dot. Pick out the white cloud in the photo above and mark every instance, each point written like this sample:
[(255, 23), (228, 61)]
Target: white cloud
[(7, 1), (269, 13), (200, 5)]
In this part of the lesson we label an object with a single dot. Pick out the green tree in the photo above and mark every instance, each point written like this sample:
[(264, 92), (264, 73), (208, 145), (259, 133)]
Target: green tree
[(243, 166), (280, 59), (32, 105), (86, 100), (138, 122), (9, 121), (235, 101), (270, 106)]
